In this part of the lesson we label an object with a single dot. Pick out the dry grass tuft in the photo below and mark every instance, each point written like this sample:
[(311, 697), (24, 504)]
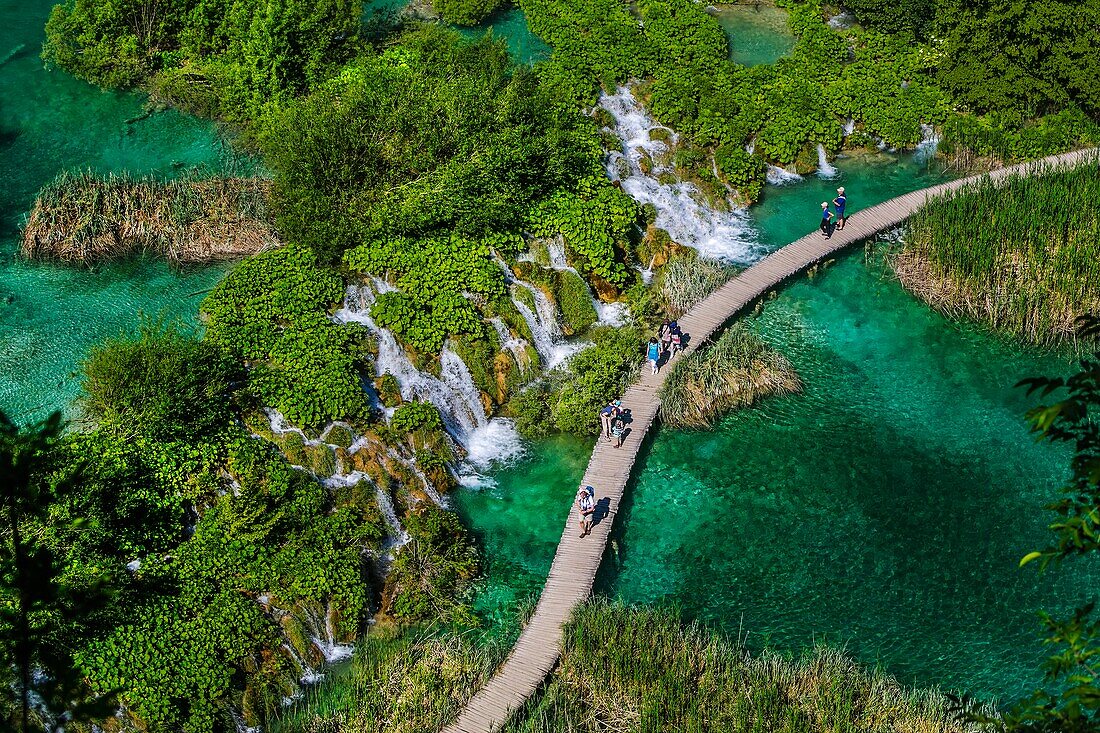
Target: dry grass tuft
[(735, 372), (87, 218)]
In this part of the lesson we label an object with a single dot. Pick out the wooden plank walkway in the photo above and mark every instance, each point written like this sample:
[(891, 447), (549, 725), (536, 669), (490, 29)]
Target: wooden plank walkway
[(577, 560)]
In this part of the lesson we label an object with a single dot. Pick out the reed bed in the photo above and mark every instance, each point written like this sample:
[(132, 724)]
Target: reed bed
[(640, 670), (1022, 255), (736, 371), (624, 670), (85, 217), (687, 280)]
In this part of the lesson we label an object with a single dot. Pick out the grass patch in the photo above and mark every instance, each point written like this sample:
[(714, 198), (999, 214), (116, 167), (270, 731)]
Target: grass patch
[(687, 280), (623, 669), (1022, 256), (641, 670), (84, 217), (736, 371)]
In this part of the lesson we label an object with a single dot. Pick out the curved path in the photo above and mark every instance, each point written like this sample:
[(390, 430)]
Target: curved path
[(577, 560)]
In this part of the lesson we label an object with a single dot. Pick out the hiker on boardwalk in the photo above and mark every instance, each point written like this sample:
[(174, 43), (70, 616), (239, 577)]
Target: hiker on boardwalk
[(618, 431), (676, 339), (664, 333), (653, 354), (826, 219), (586, 505), (840, 202), (609, 412)]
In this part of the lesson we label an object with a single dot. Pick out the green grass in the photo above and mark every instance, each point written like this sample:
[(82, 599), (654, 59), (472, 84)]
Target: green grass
[(623, 669), (736, 371), (1022, 256), (687, 280)]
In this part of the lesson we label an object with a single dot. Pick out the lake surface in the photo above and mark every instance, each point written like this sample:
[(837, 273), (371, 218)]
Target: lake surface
[(758, 34), (49, 122), (884, 509)]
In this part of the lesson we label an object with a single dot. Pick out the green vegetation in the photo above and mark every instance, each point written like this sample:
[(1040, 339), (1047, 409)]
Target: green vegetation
[(82, 217), (465, 12), (41, 606), (626, 669), (271, 313), (1019, 255), (430, 573), (569, 398), (218, 59), (685, 281), (736, 371), (1072, 703)]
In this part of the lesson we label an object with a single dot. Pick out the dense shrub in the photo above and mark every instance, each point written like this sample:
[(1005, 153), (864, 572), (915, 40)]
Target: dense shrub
[(163, 383), (575, 301), (239, 54), (465, 12), (431, 572), (413, 416)]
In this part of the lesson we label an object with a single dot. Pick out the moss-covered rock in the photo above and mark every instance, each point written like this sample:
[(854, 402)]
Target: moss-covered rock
[(389, 390), (339, 435), (575, 301)]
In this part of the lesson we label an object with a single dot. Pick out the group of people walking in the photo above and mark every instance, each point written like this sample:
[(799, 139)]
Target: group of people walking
[(827, 216), (669, 340)]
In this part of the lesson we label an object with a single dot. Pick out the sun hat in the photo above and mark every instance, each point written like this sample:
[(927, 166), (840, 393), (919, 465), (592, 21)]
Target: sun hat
[(840, 190), (618, 403), (824, 204)]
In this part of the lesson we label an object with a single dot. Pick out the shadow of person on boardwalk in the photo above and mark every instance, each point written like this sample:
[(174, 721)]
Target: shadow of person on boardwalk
[(603, 508)]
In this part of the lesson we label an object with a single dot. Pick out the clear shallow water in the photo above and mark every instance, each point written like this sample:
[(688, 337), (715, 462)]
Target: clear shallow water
[(884, 509), (511, 25), (758, 34), (49, 315)]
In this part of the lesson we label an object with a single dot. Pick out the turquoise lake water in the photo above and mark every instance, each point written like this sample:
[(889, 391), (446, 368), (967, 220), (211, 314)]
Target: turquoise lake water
[(884, 508), (50, 315), (758, 34)]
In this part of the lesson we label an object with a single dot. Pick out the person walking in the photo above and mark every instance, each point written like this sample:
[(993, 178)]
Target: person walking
[(618, 431), (586, 505), (653, 353), (826, 219), (664, 333), (609, 412), (840, 202)]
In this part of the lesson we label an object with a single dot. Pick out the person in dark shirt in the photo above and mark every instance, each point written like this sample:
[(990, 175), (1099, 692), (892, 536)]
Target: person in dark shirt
[(840, 202)]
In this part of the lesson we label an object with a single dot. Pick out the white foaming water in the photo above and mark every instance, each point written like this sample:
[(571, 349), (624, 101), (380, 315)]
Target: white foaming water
[(849, 127), (726, 236), (825, 169), (545, 330), (454, 393), (611, 314), (781, 176), (508, 342), (928, 146), (555, 248), (842, 20)]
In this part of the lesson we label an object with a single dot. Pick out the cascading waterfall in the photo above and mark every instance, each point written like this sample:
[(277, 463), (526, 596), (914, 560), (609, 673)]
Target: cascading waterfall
[(825, 169), (609, 314), (849, 127), (453, 393), (927, 147), (723, 235), (545, 330), (777, 176)]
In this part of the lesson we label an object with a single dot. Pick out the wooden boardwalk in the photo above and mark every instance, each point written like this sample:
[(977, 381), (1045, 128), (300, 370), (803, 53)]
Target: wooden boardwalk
[(577, 560)]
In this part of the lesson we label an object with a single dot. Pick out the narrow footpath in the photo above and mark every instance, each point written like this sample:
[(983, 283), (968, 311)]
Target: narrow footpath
[(577, 560)]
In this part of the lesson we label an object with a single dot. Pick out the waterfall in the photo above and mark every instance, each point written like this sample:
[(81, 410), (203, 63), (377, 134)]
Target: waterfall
[(726, 236), (555, 248), (545, 330), (611, 314), (508, 342), (453, 393), (927, 147), (849, 127), (781, 176), (825, 169)]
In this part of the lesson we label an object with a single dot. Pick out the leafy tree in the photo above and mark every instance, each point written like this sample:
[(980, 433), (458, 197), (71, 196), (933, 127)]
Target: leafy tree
[(40, 685)]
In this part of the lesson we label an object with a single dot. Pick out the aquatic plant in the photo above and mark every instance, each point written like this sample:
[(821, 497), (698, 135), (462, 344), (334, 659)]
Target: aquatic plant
[(84, 217), (736, 371), (1020, 255), (686, 280)]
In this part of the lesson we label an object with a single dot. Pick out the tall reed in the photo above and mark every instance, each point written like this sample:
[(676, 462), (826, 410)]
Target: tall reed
[(736, 371), (85, 217), (1022, 255), (687, 280)]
